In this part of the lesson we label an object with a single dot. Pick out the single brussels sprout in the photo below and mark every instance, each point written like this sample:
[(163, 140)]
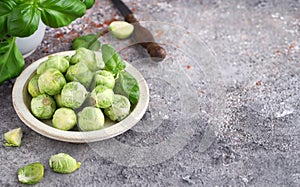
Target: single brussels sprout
[(119, 109), (90, 119), (63, 163), (58, 102), (105, 78), (41, 68), (90, 58), (73, 95), (31, 174), (64, 119), (33, 87), (43, 106), (60, 63), (80, 73), (121, 29), (13, 137), (51, 81), (102, 97)]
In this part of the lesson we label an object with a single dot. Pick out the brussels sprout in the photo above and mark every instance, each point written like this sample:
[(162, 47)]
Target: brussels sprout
[(64, 119), (31, 174), (13, 137), (63, 163), (43, 106), (119, 109), (51, 81), (102, 96), (90, 118), (33, 88), (91, 59), (73, 95), (41, 68), (58, 62), (58, 102), (80, 73), (105, 78), (121, 29)]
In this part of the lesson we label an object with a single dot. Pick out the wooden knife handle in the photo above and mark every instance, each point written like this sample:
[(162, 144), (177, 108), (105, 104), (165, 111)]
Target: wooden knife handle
[(144, 37)]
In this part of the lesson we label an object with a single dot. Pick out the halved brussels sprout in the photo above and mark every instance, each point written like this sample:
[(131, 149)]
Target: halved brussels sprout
[(119, 109), (51, 81), (90, 119), (73, 95), (90, 58), (58, 62), (31, 174), (64, 119), (13, 137), (33, 87), (63, 163), (43, 106), (102, 96), (105, 78), (80, 73), (121, 29)]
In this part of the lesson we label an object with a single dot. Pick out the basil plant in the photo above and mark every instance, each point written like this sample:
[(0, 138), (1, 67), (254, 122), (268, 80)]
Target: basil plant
[(21, 19)]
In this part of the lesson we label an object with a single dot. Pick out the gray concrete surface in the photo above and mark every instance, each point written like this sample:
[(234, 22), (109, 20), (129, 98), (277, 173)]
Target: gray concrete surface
[(224, 107)]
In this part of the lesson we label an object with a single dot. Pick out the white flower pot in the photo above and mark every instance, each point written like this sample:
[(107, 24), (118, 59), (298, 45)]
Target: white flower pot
[(28, 45)]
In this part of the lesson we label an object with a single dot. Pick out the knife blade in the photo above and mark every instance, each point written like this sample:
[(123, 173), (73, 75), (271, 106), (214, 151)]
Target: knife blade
[(141, 34)]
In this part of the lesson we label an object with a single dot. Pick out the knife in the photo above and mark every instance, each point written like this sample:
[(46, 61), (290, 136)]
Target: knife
[(142, 35)]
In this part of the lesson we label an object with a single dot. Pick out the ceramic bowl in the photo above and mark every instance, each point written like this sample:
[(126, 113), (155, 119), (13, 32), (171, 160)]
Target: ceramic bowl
[(21, 103)]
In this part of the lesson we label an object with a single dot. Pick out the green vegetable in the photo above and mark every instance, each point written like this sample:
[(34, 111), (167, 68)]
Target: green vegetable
[(90, 58), (13, 137), (33, 88), (119, 109), (80, 73), (90, 119), (43, 106), (73, 95), (63, 163), (23, 18), (127, 86), (121, 29), (102, 96), (58, 62), (89, 3), (105, 78), (89, 41), (58, 102), (11, 59), (64, 119), (51, 81), (112, 60), (31, 174)]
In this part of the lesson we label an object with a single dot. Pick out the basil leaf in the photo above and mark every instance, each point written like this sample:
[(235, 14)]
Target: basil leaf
[(58, 13), (112, 60), (3, 27), (23, 20), (6, 6), (89, 3), (89, 41), (127, 86), (11, 60)]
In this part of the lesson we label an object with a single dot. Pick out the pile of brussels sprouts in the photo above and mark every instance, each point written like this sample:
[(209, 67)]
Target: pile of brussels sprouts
[(83, 90)]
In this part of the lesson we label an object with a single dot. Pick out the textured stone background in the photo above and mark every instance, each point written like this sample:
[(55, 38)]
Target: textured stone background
[(232, 69)]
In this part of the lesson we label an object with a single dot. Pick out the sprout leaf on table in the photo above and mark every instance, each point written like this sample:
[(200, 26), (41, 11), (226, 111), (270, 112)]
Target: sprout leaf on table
[(63, 163)]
